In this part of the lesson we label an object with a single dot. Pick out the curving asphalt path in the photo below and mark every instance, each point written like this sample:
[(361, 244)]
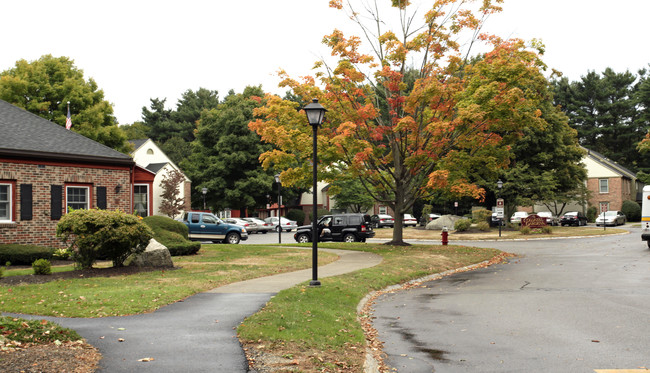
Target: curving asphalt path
[(196, 334)]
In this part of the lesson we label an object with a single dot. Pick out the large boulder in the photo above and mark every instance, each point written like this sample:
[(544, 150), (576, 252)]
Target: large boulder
[(155, 255), (443, 221)]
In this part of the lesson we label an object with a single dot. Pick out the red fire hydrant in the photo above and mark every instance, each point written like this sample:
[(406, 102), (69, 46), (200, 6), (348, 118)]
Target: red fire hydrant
[(445, 236)]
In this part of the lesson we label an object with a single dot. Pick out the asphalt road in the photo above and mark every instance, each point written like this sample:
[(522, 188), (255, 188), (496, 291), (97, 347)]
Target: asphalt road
[(565, 305)]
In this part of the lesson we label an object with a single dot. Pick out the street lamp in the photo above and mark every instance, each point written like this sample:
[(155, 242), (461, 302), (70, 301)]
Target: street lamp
[(277, 180), (500, 185), (204, 191), (315, 114)]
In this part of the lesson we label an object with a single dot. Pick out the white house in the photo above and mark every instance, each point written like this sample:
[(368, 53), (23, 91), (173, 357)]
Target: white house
[(148, 155)]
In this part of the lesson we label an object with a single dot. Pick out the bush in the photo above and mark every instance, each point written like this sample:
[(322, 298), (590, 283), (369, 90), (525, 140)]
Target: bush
[(592, 213), (23, 254), (632, 210), (547, 229), (525, 230), (157, 223), (42, 267), (101, 233), (62, 254), (462, 225), (296, 215), (172, 234), (2, 270), (482, 215), (483, 226)]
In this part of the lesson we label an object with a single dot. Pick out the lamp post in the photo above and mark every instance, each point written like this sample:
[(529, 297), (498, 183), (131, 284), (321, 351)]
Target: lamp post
[(204, 191), (315, 113), (500, 185), (277, 180)]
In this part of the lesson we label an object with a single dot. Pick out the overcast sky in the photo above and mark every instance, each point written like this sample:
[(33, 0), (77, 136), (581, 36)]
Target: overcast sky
[(139, 49)]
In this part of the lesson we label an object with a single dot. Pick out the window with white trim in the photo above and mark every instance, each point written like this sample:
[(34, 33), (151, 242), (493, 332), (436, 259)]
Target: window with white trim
[(141, 199), (5, 202), (383, 210), (603, 185), (77, 197)]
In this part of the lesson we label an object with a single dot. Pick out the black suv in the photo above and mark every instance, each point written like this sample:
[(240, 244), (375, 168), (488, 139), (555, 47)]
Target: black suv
[(345, 227)]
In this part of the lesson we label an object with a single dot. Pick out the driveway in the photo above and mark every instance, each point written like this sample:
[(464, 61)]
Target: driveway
[(565, 305)]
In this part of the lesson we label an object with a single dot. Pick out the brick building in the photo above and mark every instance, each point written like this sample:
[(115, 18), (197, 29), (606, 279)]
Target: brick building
[(46, 169)]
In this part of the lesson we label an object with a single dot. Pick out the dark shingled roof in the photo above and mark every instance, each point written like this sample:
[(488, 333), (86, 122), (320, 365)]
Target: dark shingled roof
[(155, 167), (138, 143), (24, 134)]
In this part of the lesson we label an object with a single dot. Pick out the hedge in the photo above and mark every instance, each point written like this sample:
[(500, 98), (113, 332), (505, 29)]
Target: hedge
[(172, 234), (23, 254)]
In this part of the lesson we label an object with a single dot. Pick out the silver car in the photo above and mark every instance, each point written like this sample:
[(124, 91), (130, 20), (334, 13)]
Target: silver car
[(611, 218), (250, 227), (262, 226), (286, 224)]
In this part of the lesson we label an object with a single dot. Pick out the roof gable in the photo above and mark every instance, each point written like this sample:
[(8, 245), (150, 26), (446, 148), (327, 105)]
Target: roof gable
[(27, 135), (608, 164)]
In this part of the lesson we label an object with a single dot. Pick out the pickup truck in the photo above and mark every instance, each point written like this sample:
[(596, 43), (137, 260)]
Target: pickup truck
[(204, 226)]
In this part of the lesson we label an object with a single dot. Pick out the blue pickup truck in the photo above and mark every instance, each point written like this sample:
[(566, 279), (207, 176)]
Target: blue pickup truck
[(204, 226)]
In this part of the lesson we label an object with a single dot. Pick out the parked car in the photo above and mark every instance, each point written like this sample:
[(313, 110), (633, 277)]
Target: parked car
[(344, 227), (548, 217), (262, 226), (576, 218), (250, 227), (382, 220), (286, 224), (517, 216), (409, 220), (611, 218), (203, 226)]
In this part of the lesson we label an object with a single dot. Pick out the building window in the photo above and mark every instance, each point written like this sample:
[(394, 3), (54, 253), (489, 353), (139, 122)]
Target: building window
[(5, 202), (383, 210), (77, 198), (603, 185), (150, 151), (141, 200)]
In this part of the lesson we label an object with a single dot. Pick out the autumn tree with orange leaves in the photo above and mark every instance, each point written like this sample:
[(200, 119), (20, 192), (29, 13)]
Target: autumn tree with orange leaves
[(416, 114)]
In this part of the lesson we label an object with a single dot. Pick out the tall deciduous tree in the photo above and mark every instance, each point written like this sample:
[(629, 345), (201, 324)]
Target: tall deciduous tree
[(45, 86), (225, 154), (414, 117)]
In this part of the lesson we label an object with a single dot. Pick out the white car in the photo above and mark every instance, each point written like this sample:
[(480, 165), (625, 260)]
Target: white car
[(285, 224), (409, 220), (517, 216), (548, 217), (611, 218), (262, 226)]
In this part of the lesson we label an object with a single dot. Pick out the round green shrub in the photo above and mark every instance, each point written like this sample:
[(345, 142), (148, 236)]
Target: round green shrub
[(525, 230), (94, 234), (632, 210), (482, 215), (547, 229), (42, 267), (462, 225), (157, 223)]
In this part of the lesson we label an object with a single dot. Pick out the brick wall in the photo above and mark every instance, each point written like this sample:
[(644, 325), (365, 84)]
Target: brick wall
[(619, 191), (41, 229)]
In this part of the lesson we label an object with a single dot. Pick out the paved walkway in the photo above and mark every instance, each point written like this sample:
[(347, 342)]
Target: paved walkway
[(197, 334)]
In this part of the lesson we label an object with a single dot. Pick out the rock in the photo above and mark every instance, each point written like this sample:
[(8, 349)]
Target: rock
[(443, 221), (155, 255)]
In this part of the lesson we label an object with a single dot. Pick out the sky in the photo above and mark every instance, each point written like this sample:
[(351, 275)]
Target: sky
[(139, 49)]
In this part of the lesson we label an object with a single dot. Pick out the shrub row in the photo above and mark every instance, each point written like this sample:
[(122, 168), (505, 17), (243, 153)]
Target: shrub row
[(23, 254), (172, 234)]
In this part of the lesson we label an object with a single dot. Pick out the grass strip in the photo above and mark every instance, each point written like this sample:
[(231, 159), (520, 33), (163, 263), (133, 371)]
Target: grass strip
[(213, 266), (316, 329)]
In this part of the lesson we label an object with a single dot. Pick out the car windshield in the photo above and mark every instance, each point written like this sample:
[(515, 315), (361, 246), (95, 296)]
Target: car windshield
[(544, 213), (569, 214), (608, 214)]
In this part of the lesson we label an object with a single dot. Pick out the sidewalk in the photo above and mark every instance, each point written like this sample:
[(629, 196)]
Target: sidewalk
[(197, 334)]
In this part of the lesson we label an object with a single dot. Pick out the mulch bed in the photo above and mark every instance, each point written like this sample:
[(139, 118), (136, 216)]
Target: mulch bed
[(83, 273)]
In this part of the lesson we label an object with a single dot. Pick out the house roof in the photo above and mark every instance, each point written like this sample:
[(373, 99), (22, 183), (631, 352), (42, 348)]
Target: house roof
[(155, 167), (27, 135), (606, 162), (138, 143)]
